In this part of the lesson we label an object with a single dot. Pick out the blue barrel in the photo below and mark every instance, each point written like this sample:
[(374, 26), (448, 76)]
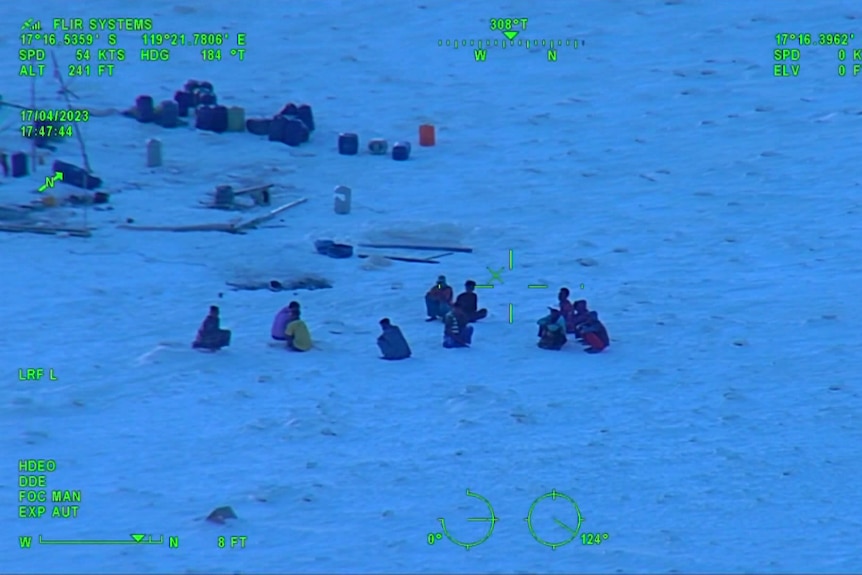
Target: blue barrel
[(289, 109), (168, 114), (219, 119), (322, 246), (278, 129), (340, 251), (348, 144), (75, 176), (204, 118), (145, 112), (401, 151), (185, 101), (304, 113), (295, 132), (258, 126), (191, 86), (19, 164)]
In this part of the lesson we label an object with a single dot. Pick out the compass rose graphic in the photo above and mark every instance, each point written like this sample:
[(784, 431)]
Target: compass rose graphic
[(566, 518), (491, 520)]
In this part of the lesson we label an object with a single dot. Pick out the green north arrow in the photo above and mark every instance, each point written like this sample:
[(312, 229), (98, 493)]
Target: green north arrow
[(510, 34), (49, 181), (138, 537)]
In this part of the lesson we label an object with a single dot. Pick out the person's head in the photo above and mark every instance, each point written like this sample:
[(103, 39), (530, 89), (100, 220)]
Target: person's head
[(564, 293), (213, 310), (384, 323), (470, 285), (293, 305), (581, 305), (441, 281), (554, 313)]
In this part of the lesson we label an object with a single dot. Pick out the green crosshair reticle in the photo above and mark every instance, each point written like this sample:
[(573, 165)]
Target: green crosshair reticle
[(571, 509), (492, 520)]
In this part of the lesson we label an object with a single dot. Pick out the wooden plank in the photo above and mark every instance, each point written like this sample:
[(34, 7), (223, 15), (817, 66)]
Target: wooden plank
[(266, 217), (254, 189), (438, 256), (229, 228), (45, 230), (421, 248), (400, 259)]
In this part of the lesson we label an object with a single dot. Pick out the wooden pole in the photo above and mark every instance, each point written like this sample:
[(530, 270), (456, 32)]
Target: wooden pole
[(59, 76)]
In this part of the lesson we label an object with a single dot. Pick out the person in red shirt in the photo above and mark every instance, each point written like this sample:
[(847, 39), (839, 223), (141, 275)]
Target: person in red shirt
[(438, 300)]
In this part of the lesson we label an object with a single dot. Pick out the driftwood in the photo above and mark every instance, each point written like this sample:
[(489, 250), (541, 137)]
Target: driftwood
[(401, 259), (235, 227), (421, 248), (438, 256), (45, 230), (253, 190), (254, 222), (229, 228)]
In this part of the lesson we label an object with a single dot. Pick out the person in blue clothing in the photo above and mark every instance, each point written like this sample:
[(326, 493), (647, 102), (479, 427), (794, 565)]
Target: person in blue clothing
[(457, 331), (391, 342), (210, 335), (552, 330)]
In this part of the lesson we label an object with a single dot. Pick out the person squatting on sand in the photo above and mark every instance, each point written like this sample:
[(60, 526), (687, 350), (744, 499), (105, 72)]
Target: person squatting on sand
[(469, 303), (296, 333), (457, 331), (552, 330), (210, 335), (594, 334), (438, 300), (391, 342), (284, 316)]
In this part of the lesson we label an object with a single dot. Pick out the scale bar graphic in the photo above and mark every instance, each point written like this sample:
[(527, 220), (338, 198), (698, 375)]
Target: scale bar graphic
[(136, 539)]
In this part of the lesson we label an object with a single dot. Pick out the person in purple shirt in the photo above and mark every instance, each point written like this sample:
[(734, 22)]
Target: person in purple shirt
[(284, 316)]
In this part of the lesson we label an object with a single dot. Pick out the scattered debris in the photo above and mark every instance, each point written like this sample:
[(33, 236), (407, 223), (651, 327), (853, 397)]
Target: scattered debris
[(421, 248), (401, 258), (233, 227), (225, 197), (45, 230), (310, 283)]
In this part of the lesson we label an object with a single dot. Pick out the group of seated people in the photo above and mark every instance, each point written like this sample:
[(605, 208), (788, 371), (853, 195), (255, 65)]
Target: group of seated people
[(573, 319), (287, 327), (457, 316)]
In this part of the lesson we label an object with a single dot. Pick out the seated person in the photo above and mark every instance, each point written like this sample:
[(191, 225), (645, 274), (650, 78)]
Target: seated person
[(565, 306), (297, 335), (210, 335), (438, 300), (595, 334), (391, 342), (282, 318), (580, 314), (469, 303), (457, 331), (552, 331)]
